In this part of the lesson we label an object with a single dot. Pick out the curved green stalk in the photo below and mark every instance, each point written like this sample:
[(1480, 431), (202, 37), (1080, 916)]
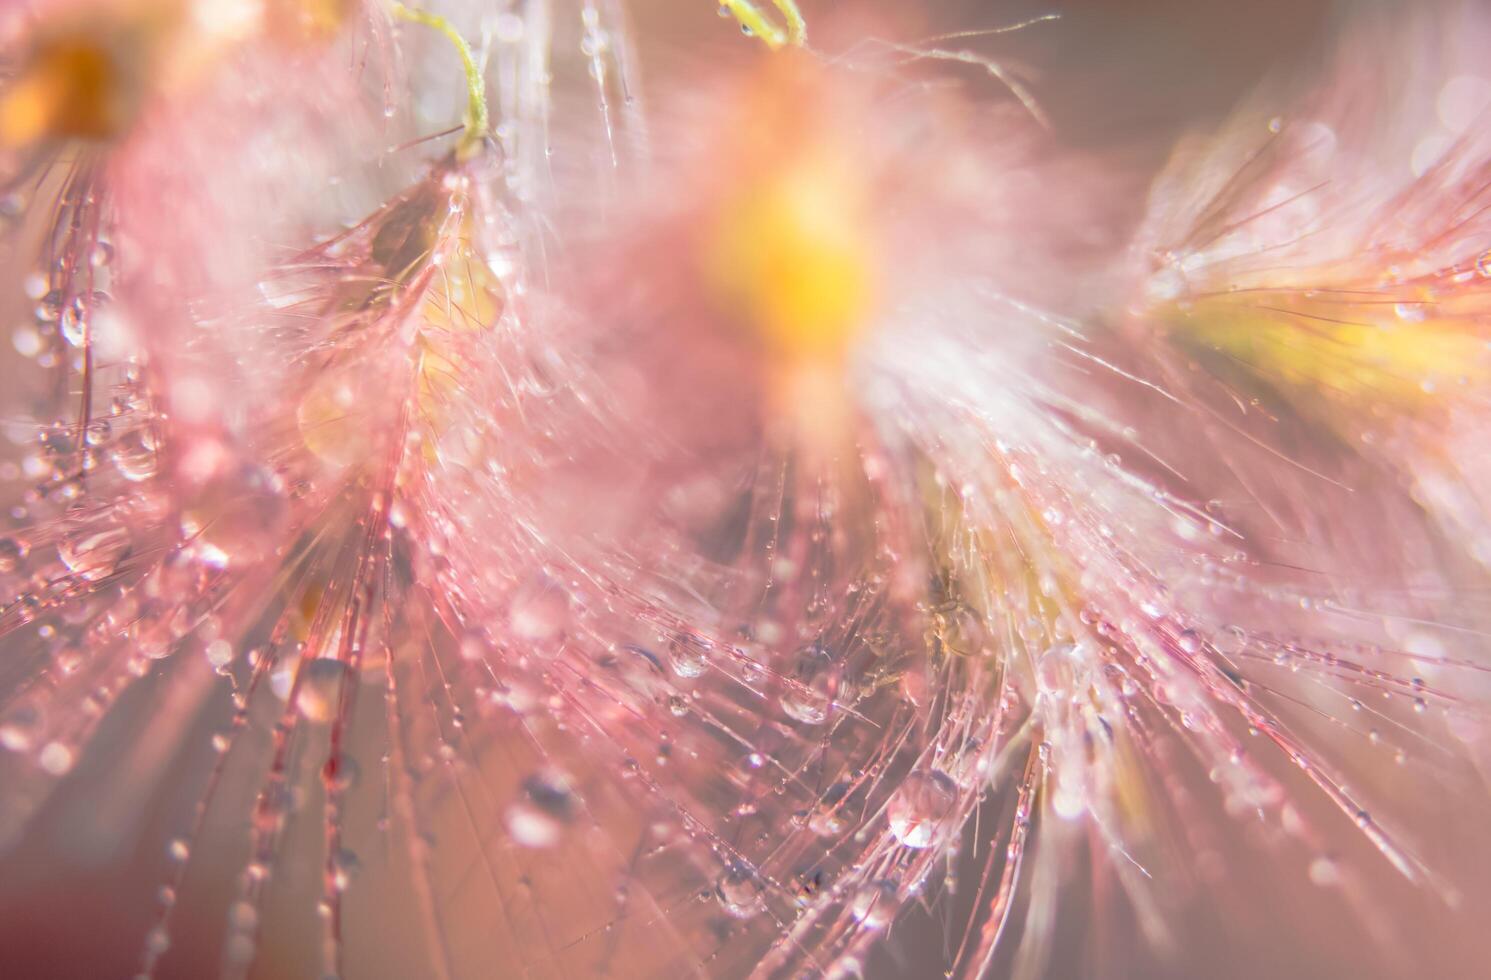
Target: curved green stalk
[(793, 31), (476, 96)]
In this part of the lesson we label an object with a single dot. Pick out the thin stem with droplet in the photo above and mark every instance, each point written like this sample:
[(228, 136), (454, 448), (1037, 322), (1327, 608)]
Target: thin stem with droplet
[(794, 31)]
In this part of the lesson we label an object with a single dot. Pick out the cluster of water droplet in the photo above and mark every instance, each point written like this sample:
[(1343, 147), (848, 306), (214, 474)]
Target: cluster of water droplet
[(726, 687)]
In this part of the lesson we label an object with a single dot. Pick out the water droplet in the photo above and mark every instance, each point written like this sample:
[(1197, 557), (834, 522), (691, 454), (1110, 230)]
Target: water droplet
[(157, 941), (97, 433), (94, 553), (27, 341), (134, 457), (55, 758), (1324, 873), (243, 917), (1053, 672), (810, 689), (739, 892), (539, 615), (809, 887), (320, 689), (219, 653), (342, 772), (73, 325), (19, 729), (874, 904), (828, 818), (921, 810), (689, 655), (12, 553), (547, 806), (1411, 312), (531, 827), (965, 632), (344, 867)]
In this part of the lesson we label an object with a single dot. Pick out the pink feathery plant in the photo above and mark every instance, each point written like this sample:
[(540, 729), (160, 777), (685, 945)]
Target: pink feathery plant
[(556, 489)]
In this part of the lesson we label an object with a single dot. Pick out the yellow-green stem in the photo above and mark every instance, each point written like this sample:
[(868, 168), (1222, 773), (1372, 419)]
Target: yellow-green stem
[(793, 31), (476, 95)]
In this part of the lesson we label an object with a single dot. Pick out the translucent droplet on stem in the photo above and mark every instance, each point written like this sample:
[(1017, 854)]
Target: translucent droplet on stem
[(874, 904), (739, 892), (921, 810), (320, 689), (94, 553)]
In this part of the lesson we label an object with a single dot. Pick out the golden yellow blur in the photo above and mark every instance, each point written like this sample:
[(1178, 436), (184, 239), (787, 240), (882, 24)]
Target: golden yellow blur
[(789, 251), (790, 255), (1360, 353), (787, 255), (85, 76), (72, 88)]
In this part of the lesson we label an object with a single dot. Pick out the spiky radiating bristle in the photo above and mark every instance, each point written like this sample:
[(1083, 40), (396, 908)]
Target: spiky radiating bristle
[(698, 534)]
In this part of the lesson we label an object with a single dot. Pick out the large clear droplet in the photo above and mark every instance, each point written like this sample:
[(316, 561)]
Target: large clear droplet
[(689, 655), (874, 904), (829, 817), (93, 553), (539, 615), (134, 457), (12, 553), (19, 728), (921, 810), (345, 865), (739, 892), (810, 689), (547, 806), (320, 689)]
